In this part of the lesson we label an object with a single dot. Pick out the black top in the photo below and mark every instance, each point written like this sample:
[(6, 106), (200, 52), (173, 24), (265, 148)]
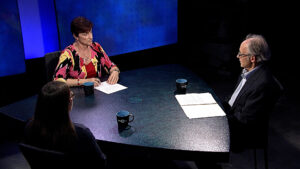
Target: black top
[(85, 152)]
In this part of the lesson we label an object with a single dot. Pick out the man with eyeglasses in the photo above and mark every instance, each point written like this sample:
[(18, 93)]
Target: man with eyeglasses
[(255, 95)]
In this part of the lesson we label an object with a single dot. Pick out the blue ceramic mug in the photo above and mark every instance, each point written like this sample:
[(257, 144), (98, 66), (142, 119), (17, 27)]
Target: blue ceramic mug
[(181, 86), (88, 88), (123, 118)]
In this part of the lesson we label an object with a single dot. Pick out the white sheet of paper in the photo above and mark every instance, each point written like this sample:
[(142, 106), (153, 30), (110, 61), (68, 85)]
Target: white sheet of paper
[(201, 111), (199, 105), (195, 98), (108, 88)]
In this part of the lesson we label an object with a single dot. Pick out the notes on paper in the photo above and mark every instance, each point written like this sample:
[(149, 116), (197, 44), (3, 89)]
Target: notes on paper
[(108, 88), (199, 105)]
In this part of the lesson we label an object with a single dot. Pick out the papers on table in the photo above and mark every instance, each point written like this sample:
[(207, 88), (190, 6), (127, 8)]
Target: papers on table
[(199, 105), (108, 88)]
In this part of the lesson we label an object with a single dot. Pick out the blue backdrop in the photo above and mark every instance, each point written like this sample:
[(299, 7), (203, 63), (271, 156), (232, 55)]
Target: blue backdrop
[(121, 26), (11, 45)]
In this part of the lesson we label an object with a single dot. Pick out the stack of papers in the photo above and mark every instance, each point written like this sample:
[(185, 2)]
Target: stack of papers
[(108, 88), (199, 105)]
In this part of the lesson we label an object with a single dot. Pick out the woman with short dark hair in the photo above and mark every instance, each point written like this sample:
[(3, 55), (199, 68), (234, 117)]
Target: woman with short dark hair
[(84, 60)]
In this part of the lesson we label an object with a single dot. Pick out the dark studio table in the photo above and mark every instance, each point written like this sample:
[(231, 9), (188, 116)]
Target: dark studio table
[(160, 128)]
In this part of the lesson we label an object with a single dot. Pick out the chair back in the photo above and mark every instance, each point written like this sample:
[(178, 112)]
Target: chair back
[(262, 142), (281, 88), (43, 158), (51, 61)]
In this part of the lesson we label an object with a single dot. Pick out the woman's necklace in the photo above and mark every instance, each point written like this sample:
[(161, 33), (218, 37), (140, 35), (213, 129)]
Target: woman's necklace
[(86, 60), (85, 55)]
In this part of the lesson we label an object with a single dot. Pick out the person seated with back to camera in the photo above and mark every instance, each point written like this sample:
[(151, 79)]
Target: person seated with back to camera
[(51, 128), (84, 60)]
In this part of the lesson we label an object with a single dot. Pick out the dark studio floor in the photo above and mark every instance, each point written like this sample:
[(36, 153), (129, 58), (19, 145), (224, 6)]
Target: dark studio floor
[(284, 141)]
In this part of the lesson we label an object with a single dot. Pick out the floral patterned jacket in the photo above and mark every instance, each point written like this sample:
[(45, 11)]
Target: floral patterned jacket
[(71, 66)]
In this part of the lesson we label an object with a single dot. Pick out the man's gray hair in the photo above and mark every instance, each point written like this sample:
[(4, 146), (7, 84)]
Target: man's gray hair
[(258, 47)]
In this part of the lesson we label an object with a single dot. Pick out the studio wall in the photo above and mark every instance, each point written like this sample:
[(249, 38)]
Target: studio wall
[(11, 43), (121, 26)]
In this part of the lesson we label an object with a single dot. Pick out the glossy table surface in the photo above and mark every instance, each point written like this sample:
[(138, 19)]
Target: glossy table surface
[(159, 122)]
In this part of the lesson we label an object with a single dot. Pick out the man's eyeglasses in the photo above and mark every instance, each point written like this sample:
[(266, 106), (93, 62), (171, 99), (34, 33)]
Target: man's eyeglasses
[(72, 95), (239, 55)]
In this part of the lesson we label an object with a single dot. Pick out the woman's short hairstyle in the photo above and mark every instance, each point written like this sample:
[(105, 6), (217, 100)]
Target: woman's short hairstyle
[(81, 24), (258, 47)]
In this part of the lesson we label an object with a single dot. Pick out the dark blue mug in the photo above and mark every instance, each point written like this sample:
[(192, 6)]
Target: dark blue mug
[(88, 88), (123, 118), (181, 86)]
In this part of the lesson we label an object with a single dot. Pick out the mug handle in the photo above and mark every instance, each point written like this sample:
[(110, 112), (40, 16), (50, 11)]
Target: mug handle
[(132, 117)]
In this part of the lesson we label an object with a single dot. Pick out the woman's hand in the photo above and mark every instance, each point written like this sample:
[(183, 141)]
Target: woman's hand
[(113, 77)]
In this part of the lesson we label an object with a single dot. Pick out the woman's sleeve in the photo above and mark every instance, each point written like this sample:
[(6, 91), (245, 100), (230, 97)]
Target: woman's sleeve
[(63, 67), (105, 61), (90, 149)]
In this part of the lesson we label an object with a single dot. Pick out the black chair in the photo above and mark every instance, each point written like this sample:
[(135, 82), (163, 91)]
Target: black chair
[(257, 139), (264, 143), (39, 158), (51, 61), (43, 158)]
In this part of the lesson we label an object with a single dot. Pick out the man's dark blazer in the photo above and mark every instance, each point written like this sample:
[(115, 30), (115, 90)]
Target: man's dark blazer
[(249, 115)]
